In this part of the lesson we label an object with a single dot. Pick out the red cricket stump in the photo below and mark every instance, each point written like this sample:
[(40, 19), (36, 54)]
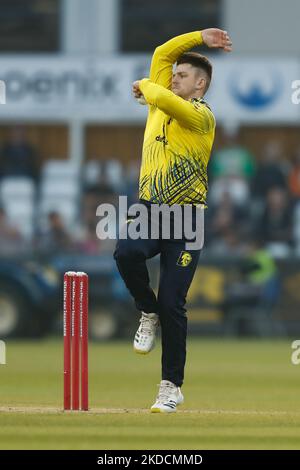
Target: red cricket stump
[(67, 339), (75, 341), (84, 340)]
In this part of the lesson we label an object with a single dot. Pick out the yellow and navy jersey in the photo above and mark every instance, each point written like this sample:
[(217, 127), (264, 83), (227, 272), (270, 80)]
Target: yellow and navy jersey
[(179, 134)]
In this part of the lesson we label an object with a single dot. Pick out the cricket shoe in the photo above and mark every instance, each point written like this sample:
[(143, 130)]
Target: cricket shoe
[(169, 396), (144, 340)]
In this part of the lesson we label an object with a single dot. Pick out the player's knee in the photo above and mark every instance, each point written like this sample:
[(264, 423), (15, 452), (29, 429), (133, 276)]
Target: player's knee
[(170, 305)]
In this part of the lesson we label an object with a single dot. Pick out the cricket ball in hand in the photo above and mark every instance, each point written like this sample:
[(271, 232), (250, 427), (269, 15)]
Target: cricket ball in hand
[(141, 100)]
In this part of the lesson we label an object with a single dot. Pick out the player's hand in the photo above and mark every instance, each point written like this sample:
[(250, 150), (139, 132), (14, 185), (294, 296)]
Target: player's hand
[(217, 38), (137, 93), (136, 89)]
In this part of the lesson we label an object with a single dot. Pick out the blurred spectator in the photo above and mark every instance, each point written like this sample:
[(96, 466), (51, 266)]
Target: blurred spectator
[(231, 169), (225, 218), (55, 239), (275, 223), (18, 157), (237, 188), (107, 178), (249, 302), (258, 266), (11, 241), (294, 177), (270, 172), (99, 192), (232, 161), (230, 244), (89, 243)]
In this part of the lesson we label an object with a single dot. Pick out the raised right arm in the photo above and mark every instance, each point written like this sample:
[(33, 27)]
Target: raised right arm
[(166, 55)]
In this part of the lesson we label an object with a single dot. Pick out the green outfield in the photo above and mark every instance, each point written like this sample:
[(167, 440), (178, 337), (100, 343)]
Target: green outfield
[(238, 395)]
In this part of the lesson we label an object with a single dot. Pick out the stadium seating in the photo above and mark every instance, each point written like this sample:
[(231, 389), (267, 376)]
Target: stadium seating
[(60, 191), (17, 196)]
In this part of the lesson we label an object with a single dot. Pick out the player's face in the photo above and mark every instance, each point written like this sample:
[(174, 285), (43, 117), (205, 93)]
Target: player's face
[(185, 80)]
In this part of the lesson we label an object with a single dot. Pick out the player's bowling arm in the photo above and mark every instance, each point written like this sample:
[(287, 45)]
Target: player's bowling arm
[(167, 54), (200, 119)]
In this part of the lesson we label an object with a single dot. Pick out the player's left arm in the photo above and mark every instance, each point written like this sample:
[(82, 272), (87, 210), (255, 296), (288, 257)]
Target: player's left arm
[(198, 118)]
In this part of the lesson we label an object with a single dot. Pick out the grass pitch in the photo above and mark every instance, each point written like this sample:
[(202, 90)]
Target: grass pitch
[(238, 395)]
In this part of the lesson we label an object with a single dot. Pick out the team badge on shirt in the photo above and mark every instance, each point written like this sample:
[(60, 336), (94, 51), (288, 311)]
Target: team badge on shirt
[(184, 259)]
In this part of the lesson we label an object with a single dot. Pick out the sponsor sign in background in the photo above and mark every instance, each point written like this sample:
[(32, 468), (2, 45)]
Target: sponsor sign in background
[(99, 89)]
